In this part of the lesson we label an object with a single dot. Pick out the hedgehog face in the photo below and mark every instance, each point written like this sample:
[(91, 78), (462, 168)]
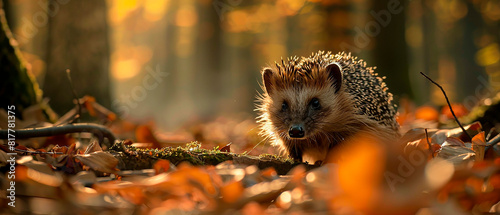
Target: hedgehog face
[(301, 103), (300, 113)]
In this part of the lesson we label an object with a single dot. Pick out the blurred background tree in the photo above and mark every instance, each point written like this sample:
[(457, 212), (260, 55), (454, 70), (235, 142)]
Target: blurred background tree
[(176, 61), (78, 41)]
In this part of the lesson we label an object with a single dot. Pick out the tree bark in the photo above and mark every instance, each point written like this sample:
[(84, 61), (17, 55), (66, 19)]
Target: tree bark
[(78, 40), (18, 86)]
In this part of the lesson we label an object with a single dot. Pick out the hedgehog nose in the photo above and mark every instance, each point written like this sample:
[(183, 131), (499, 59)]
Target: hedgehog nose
[(296, 131)]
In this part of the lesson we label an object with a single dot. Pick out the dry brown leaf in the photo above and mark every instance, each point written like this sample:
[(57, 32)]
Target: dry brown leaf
[(453, 141), (94, 146), (100, 161), (441, 135), (422, 145), (416, 134), (456, 154), (226, 148), (479, 145)]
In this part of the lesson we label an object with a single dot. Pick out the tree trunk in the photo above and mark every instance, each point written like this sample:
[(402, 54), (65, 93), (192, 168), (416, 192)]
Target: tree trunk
[(18, 86), (390, 49), (78, 41)]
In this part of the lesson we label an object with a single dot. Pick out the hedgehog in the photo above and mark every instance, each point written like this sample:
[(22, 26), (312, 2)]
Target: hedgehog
[(311, 105)]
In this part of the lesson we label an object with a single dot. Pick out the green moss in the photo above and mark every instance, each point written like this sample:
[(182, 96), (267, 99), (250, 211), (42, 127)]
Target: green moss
[(134, 158), (271, 157), (192, 153)]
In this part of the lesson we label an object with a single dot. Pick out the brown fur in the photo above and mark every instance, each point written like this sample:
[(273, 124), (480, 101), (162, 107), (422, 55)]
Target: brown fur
[(337, 120)]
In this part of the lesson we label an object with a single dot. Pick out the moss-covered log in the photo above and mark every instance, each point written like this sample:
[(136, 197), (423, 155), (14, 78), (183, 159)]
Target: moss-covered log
[(132, 158)]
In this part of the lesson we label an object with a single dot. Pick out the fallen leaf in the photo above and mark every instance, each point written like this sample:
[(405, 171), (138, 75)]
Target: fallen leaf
[(232, 191), (472, 129), (479, 145), (427, 113), (453, 141), (458, 109), (144, 134), (161, 166), (226, 148), (93, 146), (456, 154), (100, 161)]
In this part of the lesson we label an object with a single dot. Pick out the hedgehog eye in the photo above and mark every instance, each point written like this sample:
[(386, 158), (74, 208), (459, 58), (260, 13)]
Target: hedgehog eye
[(315, 104), (284, 106)]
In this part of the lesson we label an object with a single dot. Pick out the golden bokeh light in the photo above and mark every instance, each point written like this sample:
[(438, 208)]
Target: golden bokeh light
[(488, 55), (289, 7), (154, 10), (237, 21), (119, 9), (125, 69), (186, 17)]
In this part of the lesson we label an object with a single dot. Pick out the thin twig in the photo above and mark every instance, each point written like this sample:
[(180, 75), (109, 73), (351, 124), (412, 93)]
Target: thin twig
[(100, 131), (428, 143), (77, 117), (490, 134), (449, 105), (39, 152), (495, 140)]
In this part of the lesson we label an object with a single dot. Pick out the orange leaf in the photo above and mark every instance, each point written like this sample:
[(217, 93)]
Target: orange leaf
[(458, 109), (269, 172), (479, 139), (231, 191), (144, 134), (88, 100), (427, 113), (133, 194), (161, 166), (360, 183), (435, 148), (479, 145), (495, 181)]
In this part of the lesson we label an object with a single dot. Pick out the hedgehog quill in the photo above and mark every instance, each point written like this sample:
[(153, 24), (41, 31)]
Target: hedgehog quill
[(311, 105)]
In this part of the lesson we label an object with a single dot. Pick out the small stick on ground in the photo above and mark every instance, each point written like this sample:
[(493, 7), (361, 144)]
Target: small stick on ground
[(449, 105), (76, 117), (38, 152), (428, 143), (100, 131), (491, 143)]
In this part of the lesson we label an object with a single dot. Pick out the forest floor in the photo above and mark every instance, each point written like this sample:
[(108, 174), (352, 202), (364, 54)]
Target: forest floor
[(223, 167)]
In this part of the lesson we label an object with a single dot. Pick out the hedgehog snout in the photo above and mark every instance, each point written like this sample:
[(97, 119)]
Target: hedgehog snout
[(296, 131)]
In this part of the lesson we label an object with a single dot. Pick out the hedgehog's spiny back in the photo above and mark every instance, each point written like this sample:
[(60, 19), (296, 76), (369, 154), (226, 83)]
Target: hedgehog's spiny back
[(371, 96)]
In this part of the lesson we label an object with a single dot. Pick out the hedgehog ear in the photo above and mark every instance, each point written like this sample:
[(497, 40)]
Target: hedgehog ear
[(267, 75), (335, 74)]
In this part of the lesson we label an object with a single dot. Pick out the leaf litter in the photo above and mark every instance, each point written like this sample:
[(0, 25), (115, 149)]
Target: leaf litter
[(433, 171)]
